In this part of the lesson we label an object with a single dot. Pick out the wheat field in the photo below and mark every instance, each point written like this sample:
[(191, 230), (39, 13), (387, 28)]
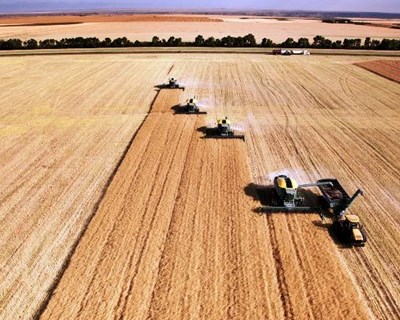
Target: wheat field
[(174, 234)]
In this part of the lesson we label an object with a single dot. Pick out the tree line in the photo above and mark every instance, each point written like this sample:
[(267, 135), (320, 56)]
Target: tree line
[(228, 41)]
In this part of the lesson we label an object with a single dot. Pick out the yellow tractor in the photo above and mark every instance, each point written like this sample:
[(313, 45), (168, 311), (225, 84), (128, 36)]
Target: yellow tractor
[(350, 230)]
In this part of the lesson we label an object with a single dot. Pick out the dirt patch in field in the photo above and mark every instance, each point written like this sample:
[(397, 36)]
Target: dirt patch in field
[(386, 68)]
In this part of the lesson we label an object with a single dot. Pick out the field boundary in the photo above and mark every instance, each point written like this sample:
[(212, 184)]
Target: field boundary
[(85, 226), (178, 50)]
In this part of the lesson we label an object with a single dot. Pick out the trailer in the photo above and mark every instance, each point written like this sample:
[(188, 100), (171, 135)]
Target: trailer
[(287, 52), (282, 52), (333, 193)]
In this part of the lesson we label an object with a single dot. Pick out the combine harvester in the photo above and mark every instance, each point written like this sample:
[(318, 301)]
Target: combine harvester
[(191, 107), (223, 130), (336, 201), (173, 84)]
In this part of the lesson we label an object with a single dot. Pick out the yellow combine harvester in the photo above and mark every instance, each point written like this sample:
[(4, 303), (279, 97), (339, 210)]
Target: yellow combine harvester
[(191, 107), (223, 130), (173, 84)]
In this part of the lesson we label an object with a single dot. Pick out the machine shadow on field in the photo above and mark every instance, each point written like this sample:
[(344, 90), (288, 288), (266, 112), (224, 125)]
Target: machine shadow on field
[(203, 129), (207, 131), (268, 196), (264, 194), (340, 243), (161, 86), (179, 109)]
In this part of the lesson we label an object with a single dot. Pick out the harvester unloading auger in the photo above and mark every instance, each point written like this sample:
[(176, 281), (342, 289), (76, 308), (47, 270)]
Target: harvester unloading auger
[(223, 130), (336, 201)]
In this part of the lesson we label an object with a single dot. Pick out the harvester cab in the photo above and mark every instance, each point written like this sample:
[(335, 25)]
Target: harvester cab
[(224, 127), (172, 82), (286, 189)]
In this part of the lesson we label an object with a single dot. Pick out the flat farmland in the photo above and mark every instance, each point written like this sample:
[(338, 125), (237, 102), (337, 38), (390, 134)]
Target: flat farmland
[(143, 28), (64, 125), (181, 245), (175, 235)]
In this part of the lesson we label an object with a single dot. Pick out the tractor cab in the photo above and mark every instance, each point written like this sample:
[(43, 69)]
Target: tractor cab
[(351, 228), (352, 221)]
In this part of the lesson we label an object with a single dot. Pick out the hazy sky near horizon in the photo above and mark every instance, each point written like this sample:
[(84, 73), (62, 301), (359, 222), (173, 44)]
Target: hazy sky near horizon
[(390, 6)]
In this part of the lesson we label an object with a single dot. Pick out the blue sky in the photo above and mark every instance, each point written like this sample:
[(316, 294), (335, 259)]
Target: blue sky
[(390, 6)]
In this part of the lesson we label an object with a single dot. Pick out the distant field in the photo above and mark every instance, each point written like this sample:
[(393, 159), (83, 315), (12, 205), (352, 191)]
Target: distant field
[(144, 27), (107, 18), (39, 24)]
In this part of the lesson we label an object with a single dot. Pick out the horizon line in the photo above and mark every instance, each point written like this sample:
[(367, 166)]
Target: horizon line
[(191, 11)]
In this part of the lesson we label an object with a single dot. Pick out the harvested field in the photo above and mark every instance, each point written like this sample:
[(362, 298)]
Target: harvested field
[(173, 239), (187, 27), (385, 68), (64, 124), (191, 246)]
